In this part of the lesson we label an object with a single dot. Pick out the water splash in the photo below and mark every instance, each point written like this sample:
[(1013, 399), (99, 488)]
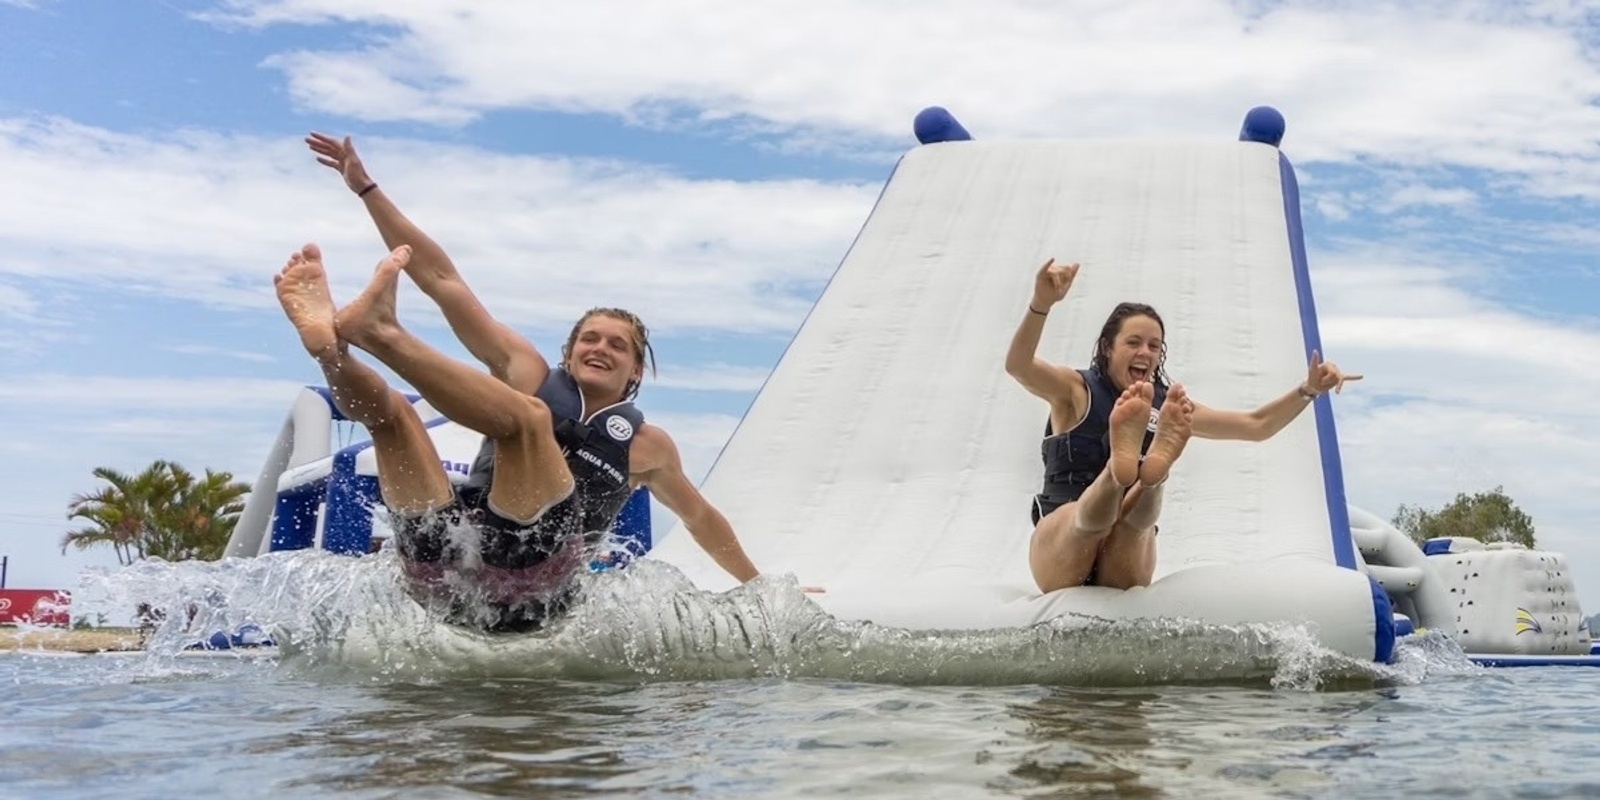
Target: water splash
[(341, 615)]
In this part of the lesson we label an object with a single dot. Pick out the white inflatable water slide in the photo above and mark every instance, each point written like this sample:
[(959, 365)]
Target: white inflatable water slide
[(890, 460)]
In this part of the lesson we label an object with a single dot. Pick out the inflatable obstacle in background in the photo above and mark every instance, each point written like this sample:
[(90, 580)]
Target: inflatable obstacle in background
[(312, 493), (1504, 604)]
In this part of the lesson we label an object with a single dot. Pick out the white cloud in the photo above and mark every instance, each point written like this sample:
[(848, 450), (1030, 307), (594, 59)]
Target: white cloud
[(1577, 236), (540, 239), (66, 425), (1414, 196), (714, 377), (1530, 349), (62, 391), (212, 350), (15, 304), (1481, 84), (19, 320), (1333, 206)]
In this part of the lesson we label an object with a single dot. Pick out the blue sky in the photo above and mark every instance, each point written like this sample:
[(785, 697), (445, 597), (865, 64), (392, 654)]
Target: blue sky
[(708, 163)]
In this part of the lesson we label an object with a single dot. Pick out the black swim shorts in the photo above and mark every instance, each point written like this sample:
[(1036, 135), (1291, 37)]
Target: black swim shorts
[(524, 574)]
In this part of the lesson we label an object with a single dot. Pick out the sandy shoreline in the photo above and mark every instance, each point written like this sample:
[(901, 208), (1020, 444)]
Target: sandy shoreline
[(70, 640)]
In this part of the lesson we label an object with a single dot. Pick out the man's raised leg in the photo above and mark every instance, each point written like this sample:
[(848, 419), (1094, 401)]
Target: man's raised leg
[(411, 476), (530, 472)]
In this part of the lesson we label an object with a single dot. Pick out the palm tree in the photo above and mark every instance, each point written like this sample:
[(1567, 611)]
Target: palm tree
[(119, 514), (161, 512), (202, 515)]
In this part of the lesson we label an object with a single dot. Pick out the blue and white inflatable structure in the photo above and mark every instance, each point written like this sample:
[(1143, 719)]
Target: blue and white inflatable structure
[(1504, 604), (890, 459), (311, 494)]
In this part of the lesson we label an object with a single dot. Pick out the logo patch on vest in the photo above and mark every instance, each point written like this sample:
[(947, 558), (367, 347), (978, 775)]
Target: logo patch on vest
[(619, 428), (1155, 417)]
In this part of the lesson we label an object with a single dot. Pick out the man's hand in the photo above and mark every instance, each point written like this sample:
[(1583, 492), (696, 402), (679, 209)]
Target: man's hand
[(340, 155)]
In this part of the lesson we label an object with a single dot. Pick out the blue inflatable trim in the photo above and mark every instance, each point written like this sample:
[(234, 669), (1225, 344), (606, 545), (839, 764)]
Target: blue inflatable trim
[(1344, 548), (248, 635), (1533, 661), (347, 512), (630, 536), (1383, 623), (1403, 626), (1263, 124), (294, 516), (934, 124), (1436, 547)]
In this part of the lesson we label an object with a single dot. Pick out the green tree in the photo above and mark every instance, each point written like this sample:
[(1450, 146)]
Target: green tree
[(204, 514), (1486, 516), (163, 511), (118, 514)]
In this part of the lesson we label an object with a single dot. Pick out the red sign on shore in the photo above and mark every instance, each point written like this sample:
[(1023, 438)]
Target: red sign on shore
[(36, 606)]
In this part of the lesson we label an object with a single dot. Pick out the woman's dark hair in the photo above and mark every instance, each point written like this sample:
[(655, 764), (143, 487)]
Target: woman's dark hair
[(1113, 326)]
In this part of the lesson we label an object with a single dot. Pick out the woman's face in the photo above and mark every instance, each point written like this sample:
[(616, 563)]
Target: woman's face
[(1135, 351)]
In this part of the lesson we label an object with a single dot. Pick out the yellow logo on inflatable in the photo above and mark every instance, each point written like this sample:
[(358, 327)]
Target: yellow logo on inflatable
[(1526, 622)]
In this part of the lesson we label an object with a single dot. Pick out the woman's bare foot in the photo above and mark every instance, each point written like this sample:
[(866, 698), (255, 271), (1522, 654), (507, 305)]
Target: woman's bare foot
[(1130, 419), (369, 320), (302, 288), (1172, 433)]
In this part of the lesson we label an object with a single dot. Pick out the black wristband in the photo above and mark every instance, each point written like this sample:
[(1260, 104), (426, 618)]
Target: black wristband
[(1037, 311), (370, 187)]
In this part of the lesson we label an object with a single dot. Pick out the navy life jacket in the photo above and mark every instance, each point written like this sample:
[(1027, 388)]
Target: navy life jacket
[(596, 448), (1073, 460)]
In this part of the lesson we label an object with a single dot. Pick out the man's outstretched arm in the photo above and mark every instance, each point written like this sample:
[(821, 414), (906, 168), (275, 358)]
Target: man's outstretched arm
[(508, 355), (663, 475)]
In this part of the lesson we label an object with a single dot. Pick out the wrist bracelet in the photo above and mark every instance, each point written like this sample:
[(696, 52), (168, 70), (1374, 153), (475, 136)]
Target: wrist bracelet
[(1037, 311), (370, 187), (1306, 392)]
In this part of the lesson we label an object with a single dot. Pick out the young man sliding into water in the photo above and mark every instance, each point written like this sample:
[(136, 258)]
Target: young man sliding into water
[(563, 447), (1113, 434)]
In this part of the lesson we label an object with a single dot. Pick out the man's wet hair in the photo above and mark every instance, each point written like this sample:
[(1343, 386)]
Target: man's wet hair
[(1113, 326), (641, 341)]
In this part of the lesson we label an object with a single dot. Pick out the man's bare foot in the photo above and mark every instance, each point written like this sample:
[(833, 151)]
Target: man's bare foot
[(1130, 419), (1172, 433), (370, 319), (302, 288)]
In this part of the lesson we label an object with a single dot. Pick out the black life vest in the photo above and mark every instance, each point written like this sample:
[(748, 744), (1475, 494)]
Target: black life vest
[(1072, 460), (596, 447)]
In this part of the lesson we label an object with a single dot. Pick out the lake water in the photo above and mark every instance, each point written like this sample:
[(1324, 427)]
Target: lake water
[(655, 689)]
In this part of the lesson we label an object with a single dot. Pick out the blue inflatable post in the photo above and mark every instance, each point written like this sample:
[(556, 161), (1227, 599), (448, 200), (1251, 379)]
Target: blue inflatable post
[(294, 516), (1263, 124), (347, 515), (630, 537), (935, 124), (1383, 624)]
